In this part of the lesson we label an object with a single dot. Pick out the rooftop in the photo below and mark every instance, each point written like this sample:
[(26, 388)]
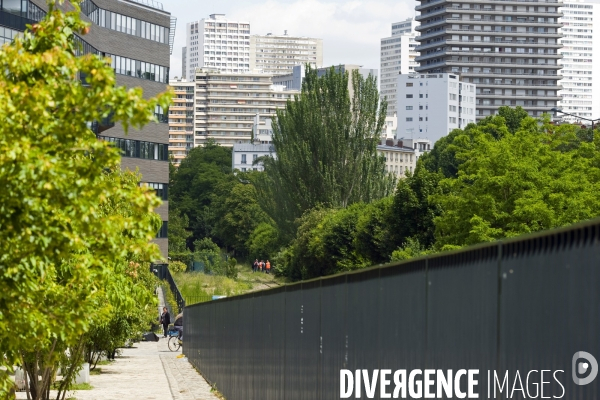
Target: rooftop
[(266, 148)]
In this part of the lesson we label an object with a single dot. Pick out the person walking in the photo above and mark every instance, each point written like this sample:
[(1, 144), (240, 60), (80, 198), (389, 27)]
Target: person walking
[(165, 320), (255, 265), (268, 267), (262, 265)]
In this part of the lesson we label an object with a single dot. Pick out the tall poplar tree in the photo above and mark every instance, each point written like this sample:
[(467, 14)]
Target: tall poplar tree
[(326, 145)]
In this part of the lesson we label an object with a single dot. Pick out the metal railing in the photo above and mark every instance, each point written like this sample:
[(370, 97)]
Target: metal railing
[(173, 286), (527, 303)]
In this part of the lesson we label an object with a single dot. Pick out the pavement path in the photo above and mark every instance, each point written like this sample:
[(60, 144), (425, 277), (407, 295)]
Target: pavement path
[(147, 371)]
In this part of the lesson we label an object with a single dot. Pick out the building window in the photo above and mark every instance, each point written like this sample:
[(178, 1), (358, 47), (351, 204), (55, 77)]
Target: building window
[(409, 107), (139, 149), (161, 189), (409, 84), (163, 231), (243, 159), (409, 96), (408, 119), (254, 157), (139, 69)]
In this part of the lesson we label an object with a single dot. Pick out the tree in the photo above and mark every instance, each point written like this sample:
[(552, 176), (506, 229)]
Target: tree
[(58, 247), (178, 233), (325, 142), (414, 207), (521, 183), (239, 215), (203, 172), (263, 243)]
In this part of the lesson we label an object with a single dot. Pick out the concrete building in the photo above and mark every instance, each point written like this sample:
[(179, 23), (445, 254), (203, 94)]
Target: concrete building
[(389, 129), (217, 43), (138, 36), (420, 145), (397, 57), (226, 105), (245, 156), (181, 120), (278, 54), (183, 62), (432, 105), (581, 44), (399, 159), (509, 49)]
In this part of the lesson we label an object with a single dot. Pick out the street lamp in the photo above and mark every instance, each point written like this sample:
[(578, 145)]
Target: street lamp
[(557, 110)]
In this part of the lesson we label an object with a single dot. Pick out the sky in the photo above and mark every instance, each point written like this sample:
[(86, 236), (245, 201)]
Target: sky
[(351, 29)]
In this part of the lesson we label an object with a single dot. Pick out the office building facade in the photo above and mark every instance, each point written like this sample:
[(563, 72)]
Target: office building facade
[(138, 36), (397, 57), (431, 105), (217, 43), (509, 49), (278, 54), (581, 44)]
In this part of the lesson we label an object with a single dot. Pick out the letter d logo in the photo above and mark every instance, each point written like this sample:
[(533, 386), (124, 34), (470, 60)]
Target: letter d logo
[(583, 367)]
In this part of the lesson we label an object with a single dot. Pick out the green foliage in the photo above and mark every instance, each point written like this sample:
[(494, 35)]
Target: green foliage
[(208, 253), (263, 242), (325, 142), (205, 171), (177, 266), (411, 249), (178, 233), (66, 238), (239, 215), (414, 208), (519, 183)]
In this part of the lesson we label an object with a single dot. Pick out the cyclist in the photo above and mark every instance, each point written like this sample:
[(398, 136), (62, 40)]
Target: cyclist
[(179, 325)]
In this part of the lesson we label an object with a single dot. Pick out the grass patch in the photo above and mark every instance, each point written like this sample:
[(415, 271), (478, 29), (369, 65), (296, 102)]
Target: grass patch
[(197, 286), (81, 386), (104, 362), (96, 371)]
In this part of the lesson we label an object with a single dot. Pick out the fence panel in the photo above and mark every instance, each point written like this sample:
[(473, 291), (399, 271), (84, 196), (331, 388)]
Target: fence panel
[(462, 304), (550, 308), (402, 317), (525, 304), (333, 335)]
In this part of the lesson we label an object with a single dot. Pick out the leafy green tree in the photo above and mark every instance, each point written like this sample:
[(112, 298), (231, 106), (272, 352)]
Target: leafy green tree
[(325, 142), (263, 242), (414, 208), (178, 233), (522, 183), (374, 239), (411, 249), (192, 188), (239, 215), (58, 248)]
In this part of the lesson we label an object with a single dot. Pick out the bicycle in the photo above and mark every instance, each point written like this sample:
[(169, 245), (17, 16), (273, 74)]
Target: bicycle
[(173, 343)]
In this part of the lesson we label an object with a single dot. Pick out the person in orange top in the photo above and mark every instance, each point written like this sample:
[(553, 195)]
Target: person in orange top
[(268, 266)]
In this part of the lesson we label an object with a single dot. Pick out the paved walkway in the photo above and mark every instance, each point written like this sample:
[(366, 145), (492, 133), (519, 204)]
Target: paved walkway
[(147, 371)]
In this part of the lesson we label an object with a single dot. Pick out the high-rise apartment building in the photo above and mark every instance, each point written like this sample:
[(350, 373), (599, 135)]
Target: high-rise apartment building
[(138, 36), (183, 62), (431, 105), (226, 105), (181, 120), (509, 49), (397, 57), (217, 43), (581, 44), (278, 54)]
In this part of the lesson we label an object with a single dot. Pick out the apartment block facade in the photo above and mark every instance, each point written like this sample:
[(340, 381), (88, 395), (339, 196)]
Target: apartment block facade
[(431, 105), (226, 105), (581, 44), (508, 48), (397, 57), (138, 36), (278, 54), (181, 120), (217, 43)]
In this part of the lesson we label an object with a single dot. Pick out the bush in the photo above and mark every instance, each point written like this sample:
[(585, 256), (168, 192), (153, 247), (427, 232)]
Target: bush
[(177, 266)]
